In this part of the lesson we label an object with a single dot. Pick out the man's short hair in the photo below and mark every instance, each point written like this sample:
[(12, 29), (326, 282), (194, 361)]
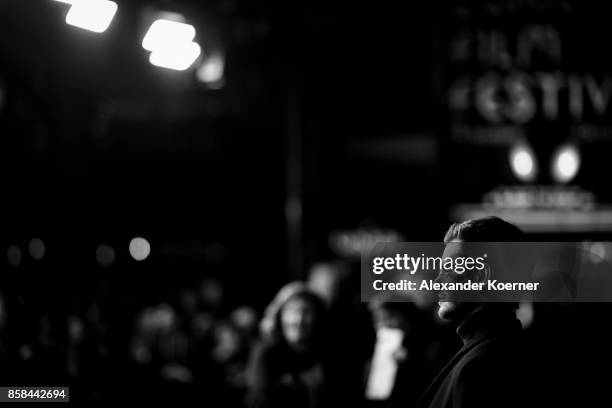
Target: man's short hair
[(485, 229)]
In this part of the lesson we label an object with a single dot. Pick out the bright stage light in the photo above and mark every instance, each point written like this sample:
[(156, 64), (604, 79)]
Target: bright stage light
[(565, 163), (522, 163), (92, 15), (171, 44), (166, 33), (179, 58)]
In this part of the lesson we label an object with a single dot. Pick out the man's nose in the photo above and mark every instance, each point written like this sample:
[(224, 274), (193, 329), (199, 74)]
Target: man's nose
[(440, 278), (437, 280)]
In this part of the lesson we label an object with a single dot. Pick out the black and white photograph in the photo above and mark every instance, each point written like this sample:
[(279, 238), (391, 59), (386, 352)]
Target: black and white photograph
[(306, 204)]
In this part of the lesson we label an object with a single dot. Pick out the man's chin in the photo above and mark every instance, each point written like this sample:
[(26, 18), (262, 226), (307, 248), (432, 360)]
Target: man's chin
[(447, 310)]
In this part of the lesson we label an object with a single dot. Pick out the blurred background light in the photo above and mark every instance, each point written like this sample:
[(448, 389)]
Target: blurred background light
[(37, 249), (565, 163), (525, 314), (92, 15), (105, 255), (179, 58), (522, 163), (140, 248), (211, 71), (596, 251), (171, 44), (166, 33), (13, 255)]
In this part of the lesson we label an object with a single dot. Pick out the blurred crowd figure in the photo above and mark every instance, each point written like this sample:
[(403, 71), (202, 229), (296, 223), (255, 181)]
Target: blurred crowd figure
[(320, 346), (288, 367), (310, 347), (315, 345)]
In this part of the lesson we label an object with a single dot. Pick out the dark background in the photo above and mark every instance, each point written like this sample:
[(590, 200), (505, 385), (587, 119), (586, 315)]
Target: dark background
[(333, 116), (99, 145)]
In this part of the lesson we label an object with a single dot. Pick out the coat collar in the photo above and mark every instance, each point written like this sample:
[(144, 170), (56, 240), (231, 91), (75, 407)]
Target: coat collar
[(487, 321)]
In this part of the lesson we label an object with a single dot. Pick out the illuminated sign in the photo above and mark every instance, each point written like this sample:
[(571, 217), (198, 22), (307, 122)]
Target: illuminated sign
[(360, 241)]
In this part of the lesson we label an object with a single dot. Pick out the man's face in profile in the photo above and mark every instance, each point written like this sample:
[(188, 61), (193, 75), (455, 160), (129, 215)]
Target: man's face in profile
[(452, 309)]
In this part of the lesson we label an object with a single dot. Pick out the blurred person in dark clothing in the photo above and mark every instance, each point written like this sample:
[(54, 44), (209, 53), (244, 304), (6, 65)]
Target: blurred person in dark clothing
[(338, 283), (235, 338), (287, 367), (405, 353), (487, 371), (6, 351)]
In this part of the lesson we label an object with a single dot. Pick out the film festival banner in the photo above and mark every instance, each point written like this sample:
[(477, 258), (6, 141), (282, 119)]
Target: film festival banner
[(523, 73), (488, 272), (525, 99)]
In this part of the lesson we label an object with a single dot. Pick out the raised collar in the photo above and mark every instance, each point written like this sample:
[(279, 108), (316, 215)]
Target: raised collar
[(488, 321)]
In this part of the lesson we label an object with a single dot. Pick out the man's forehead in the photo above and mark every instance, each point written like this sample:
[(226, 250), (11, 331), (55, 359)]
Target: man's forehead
[(460, 248), (454, 249)]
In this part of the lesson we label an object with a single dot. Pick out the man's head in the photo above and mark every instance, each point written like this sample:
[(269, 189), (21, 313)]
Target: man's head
[(486, 229)]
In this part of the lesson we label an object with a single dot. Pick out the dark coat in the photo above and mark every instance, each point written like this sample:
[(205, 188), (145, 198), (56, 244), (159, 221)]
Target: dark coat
[(282, 378), (488, 369)]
